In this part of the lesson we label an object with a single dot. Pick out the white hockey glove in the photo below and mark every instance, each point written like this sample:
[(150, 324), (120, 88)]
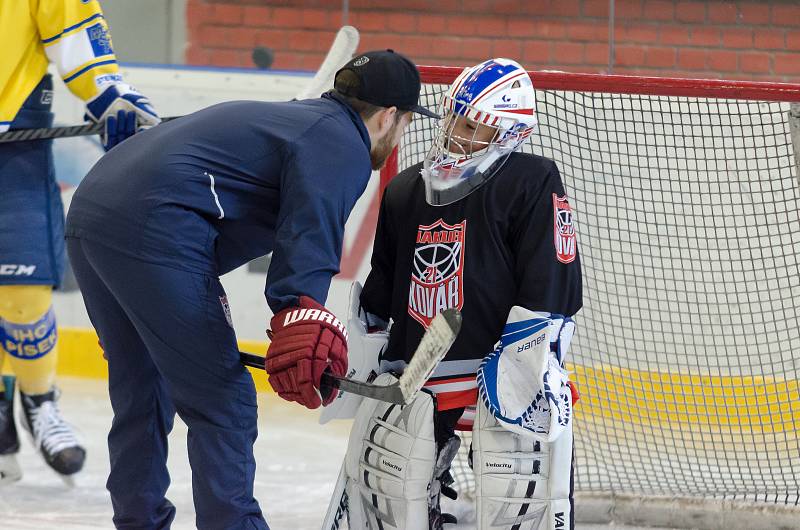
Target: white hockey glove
[(124, 111), (364, 350), (523, 382)]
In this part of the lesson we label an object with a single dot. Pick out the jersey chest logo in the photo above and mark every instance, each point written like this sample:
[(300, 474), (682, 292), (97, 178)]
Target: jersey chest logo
[(437, 274), (564, 230)]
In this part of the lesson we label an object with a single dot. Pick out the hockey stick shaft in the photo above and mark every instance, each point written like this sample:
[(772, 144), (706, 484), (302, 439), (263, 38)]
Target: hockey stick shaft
[(47, 133), (433, 346), (342, 49), (330, 383)]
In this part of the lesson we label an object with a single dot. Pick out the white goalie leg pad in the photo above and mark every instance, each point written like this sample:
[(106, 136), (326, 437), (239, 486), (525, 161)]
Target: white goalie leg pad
[(390, 463), (521, 482), (363, 353)]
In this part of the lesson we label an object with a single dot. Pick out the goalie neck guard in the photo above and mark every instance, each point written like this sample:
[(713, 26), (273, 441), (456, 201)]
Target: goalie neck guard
[(494, 98)]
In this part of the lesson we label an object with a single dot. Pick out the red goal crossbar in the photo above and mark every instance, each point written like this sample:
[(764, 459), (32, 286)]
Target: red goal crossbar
[(626, 84)]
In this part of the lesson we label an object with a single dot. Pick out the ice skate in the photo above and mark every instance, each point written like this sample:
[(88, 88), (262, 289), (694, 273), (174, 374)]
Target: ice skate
[(9, 441), (52, 436)]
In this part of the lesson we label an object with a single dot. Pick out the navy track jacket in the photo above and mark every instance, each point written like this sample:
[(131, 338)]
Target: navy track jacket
[(215, 189)]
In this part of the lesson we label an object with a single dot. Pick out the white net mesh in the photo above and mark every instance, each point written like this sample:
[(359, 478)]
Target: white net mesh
[(686, 356)]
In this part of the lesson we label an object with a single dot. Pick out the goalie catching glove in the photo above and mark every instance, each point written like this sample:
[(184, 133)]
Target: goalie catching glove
[(523, 382), (307, 339), (522, 437)]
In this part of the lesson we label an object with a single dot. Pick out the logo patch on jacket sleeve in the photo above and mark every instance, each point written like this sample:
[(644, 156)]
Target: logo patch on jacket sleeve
[(564, 230), (100, 40), (436, 278)]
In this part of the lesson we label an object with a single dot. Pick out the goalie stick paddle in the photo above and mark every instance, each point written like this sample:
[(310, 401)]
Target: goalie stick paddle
[(341, 51), (434, 345), (339, 504)]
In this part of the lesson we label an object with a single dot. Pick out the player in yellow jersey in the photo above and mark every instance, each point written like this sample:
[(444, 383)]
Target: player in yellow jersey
[(73, 35)]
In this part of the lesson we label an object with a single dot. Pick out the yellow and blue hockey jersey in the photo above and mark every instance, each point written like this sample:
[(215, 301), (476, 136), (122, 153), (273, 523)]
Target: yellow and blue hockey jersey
[(72, 34)]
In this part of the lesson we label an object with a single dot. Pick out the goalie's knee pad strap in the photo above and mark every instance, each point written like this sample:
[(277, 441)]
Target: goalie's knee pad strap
[(521, 482)]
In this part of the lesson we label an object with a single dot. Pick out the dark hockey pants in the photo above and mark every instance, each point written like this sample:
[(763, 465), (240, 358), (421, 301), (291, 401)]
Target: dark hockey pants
[(170, 347)]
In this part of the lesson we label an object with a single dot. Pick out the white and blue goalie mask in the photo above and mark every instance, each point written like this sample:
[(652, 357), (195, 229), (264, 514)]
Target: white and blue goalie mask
[(496, 94)]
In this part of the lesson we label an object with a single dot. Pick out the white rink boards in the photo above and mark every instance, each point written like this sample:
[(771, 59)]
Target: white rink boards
[(176, 91)]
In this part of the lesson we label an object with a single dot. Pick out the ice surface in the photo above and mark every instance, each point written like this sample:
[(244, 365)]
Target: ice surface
[(298, 461)]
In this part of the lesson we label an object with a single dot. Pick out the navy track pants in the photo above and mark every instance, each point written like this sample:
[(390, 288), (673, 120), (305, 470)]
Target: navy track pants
[(170, 347)]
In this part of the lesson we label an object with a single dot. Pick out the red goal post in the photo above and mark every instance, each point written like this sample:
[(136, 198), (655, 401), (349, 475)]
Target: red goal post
[(686, 195)]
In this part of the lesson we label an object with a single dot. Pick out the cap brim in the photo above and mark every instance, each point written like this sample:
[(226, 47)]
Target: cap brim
[(425, 112)]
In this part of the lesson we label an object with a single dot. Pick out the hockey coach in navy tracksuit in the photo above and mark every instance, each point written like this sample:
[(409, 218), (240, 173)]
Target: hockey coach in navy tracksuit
[(159, 219)]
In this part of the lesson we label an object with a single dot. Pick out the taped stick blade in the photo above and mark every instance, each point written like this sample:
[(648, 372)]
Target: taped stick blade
[(435, 344)]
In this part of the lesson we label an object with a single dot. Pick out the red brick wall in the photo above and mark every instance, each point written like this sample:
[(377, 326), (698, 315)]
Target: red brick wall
[(742, 39)]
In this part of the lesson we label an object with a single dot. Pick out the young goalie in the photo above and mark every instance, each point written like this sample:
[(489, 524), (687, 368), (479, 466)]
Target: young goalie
[(482, 227)]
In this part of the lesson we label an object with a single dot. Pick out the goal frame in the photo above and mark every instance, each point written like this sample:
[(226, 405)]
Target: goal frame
[(643, 85), (675, 512)]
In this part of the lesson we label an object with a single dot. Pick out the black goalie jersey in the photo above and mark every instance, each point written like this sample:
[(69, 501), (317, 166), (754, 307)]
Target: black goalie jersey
[(510, 242)]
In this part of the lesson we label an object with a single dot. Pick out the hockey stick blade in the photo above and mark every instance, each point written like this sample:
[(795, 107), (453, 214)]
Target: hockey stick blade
[(434, 345), (341, 51)]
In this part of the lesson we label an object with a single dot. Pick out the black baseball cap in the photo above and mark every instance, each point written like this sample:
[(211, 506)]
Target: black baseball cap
[(387, 79)]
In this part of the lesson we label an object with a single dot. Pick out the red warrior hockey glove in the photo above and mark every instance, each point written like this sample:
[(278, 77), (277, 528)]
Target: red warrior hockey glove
[(306, 341)]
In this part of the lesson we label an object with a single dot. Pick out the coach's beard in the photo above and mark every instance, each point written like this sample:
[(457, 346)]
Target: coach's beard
[(381, 151)]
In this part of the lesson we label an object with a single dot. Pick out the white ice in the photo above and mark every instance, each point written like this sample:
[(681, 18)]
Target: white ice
[(298, 461)]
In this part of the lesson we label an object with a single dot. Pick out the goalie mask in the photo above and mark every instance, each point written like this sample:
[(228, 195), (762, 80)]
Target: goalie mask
[(487, 113)]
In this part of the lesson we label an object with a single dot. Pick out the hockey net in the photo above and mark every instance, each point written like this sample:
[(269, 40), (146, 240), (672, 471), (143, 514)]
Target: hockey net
[(687, 209)]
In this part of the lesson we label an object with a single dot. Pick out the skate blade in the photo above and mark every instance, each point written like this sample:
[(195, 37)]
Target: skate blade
[(9, 469), (69, 480)]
